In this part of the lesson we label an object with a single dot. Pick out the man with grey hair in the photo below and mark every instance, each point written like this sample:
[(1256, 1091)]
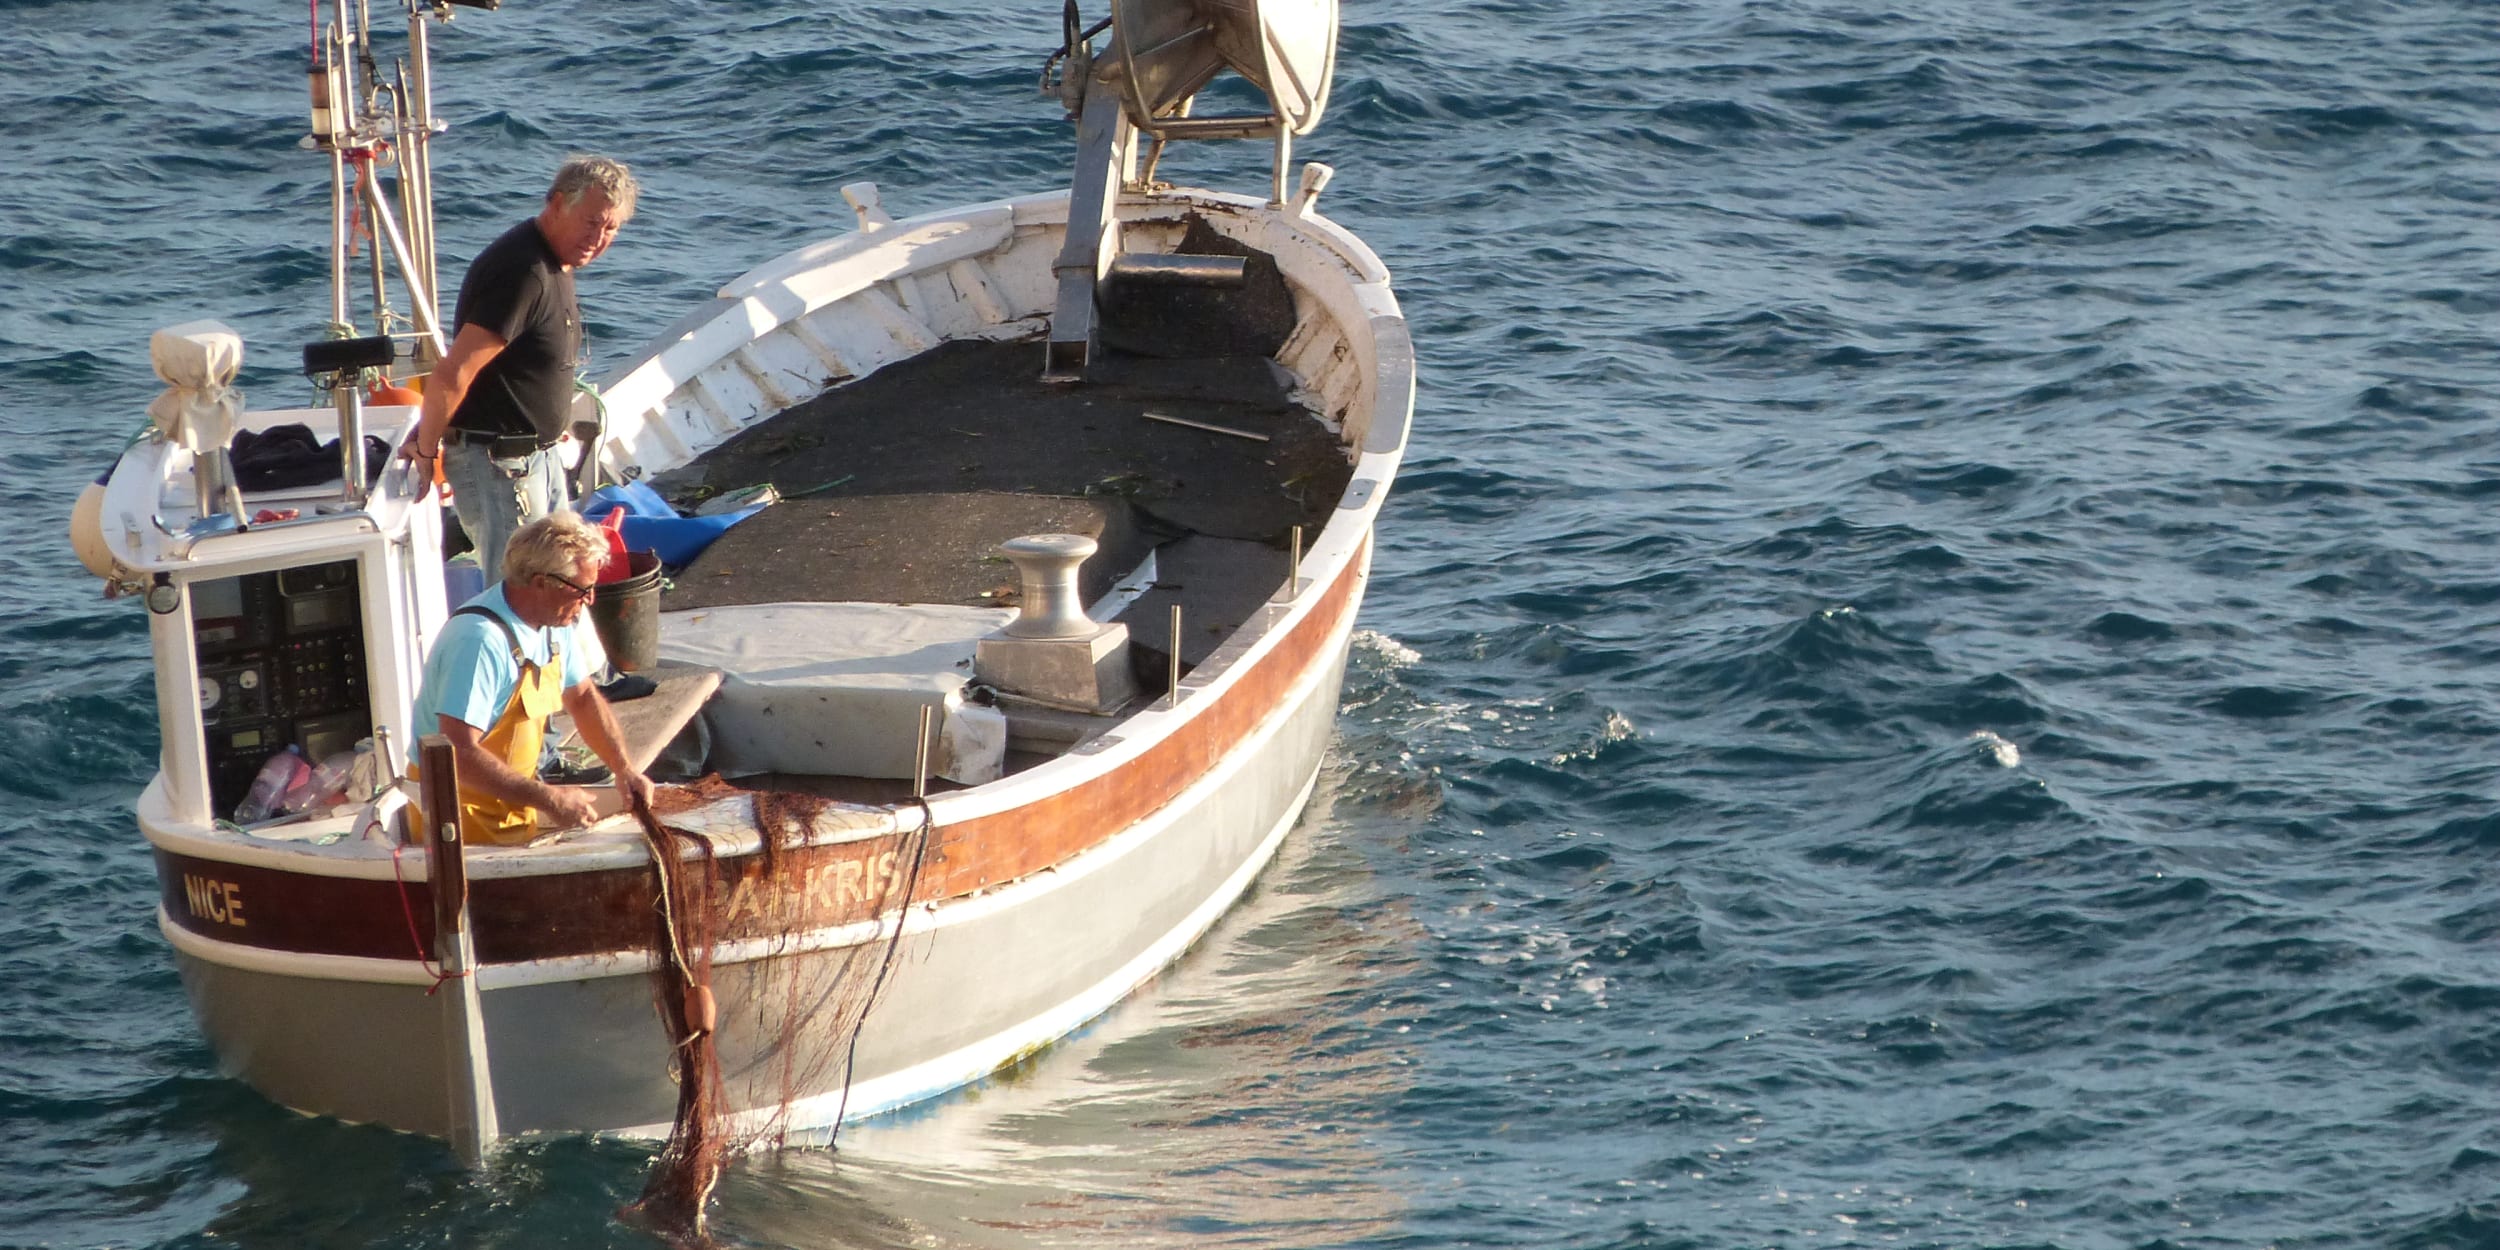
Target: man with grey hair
[(498, 401), (503, 664)]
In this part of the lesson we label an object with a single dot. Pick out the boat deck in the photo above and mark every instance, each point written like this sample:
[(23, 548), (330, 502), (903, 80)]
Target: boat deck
[(900, 486)]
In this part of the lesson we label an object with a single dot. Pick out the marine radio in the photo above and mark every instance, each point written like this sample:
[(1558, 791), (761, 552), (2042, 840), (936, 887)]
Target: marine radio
[(282, 663)]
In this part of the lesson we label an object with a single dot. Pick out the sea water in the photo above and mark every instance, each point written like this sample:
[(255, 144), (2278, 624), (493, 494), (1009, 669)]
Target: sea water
[(1929, 680)]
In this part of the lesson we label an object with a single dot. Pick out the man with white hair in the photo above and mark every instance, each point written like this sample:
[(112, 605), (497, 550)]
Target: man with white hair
[(499, 400), (503, 664)]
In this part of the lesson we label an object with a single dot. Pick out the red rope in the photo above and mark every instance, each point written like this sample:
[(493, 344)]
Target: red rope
[(360, 167), (358, 170), (407, 909)]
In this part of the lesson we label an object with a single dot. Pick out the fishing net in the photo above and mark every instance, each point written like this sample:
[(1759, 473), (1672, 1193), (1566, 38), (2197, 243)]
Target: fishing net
[(689, 1165), (813, 928)]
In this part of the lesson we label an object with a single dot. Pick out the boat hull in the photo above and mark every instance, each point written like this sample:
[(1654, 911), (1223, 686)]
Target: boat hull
[(976, 981)]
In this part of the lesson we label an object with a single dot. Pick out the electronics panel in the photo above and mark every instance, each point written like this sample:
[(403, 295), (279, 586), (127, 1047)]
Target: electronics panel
[(282, 662)]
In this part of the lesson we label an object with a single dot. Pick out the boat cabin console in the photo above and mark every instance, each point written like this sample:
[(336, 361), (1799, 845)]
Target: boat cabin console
[(282, 663)]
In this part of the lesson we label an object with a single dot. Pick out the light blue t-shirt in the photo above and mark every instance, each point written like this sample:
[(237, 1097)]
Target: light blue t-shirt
[(470, 676)]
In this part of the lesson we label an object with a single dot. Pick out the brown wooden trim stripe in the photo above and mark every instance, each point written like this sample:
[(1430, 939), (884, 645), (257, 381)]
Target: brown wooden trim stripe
[(1032, 836), (274, 909), (559, 915)]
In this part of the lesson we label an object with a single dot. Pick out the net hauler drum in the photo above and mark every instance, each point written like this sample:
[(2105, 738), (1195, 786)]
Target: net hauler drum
[(1162, 54), (1168, 50)]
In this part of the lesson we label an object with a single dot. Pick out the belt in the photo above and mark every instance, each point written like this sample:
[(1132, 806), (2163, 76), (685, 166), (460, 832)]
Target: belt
[(501, 446)]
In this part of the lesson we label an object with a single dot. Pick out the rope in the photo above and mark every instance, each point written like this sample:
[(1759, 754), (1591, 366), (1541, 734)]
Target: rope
[(665, 863), (414, 939), (359, 168), (587, 387), (893, 950), (663, 857)]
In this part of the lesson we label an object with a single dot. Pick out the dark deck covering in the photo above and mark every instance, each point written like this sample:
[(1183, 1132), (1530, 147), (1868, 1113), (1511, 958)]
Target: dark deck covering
[(941, 457)]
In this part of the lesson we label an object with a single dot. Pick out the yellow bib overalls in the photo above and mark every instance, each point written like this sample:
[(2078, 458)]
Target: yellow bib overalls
[(515, 738)]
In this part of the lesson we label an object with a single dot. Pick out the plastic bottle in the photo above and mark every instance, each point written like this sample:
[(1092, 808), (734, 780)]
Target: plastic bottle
[(298, 794), (328, 787), (335, 782), (286, 770)]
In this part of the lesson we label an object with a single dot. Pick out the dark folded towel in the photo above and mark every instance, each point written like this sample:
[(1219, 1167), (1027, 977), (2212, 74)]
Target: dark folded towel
[(286, 456)]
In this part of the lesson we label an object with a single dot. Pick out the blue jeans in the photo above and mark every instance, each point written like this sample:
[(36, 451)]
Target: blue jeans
[(495, 497)]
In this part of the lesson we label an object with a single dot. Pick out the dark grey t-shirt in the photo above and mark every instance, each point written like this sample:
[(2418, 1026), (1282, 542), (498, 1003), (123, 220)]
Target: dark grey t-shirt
[(520, 291)]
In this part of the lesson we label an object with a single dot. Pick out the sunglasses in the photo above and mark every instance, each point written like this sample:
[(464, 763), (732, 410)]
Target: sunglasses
[(583, 593)]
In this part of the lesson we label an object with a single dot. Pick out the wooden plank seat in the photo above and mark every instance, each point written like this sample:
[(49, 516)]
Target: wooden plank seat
[(650, 723)]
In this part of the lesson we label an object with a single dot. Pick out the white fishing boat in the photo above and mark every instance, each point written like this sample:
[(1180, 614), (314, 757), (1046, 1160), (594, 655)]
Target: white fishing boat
[(927, 834)]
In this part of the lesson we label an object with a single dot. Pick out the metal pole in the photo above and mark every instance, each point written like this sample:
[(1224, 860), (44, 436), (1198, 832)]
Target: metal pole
[(343, 39), (920, 764), (349, 395), (342, 125), (386, 228), (338, 240), (364, 45), (469, 1085), (1284, 157), (417, 155), (1104, 143), (405, 186), (371, 182), (358, 37), (1172, 693)]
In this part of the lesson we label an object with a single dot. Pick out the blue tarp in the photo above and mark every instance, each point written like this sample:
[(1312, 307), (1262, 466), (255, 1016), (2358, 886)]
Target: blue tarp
[(651, 525)]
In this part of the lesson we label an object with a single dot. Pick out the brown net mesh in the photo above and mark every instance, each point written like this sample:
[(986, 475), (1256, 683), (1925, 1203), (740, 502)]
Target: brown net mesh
[(689, 1165), (817, 928)]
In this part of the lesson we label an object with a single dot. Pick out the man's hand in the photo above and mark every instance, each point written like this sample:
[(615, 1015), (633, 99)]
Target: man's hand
[(596, 722), (634, 788), (570, 807), (471, 351)]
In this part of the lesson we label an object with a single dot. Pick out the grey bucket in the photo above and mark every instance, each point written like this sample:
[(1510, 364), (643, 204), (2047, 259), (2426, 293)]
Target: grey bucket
[(627, 614)]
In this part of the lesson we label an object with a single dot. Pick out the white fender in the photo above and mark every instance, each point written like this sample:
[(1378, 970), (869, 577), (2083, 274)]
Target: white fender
[(86, 533)]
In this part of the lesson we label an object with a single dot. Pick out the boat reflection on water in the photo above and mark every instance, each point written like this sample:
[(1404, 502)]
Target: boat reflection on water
[(1226, 1101)]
